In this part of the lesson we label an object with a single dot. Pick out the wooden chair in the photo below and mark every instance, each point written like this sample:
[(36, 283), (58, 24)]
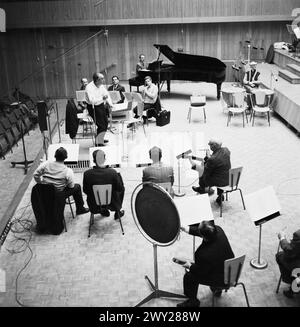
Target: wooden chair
[(102, 194), (196, 102), (238, 107), (234, 179), (260, 105), (232, 272)]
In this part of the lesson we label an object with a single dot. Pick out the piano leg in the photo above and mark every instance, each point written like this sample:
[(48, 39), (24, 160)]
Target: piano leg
[(219, 91), (169, 85)]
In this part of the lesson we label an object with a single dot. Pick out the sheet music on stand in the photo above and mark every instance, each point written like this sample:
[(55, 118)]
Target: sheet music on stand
[(80, 96), (194, 209), (262, 205), (115, 96)]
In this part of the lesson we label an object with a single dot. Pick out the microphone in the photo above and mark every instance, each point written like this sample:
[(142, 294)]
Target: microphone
[(182, 155)]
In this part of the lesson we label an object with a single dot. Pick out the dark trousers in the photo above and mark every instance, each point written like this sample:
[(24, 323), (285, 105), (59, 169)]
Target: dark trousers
[(191, 283), (151, 110), (76, 193), (100, 115), (284, 270), (203, 184)]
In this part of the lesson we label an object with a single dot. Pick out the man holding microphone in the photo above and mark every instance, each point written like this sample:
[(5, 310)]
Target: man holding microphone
[(99, 105)]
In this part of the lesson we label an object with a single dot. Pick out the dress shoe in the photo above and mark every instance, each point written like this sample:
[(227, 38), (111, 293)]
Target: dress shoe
[(210, 191), (136, 116), (219, 199), (106, 141), (99, 144), (189, 303), (288, 293), (198, 189), (104, 212), (119, 214), (82, 211)]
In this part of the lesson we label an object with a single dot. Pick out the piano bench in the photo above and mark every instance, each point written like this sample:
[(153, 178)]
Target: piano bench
[(135, 82)]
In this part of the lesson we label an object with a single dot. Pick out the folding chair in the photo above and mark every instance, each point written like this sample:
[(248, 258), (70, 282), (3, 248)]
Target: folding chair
[(234, 179), (102, 194), (232, 272)]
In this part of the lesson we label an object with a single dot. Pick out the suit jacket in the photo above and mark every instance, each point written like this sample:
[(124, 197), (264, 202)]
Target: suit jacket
[(158, 174), (48, 205), (119, 88), (210, 257), (101, 176), (290, 258), (72, 121), (216, 168)]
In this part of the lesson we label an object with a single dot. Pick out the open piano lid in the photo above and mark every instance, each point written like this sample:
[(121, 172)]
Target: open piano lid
[(188, 60)]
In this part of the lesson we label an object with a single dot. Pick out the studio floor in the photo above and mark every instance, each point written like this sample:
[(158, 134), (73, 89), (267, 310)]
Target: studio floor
[(108, 269)]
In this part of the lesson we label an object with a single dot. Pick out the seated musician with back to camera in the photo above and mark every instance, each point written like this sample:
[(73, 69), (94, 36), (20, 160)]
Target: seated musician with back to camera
[(158, 172), (288, 259), (100, 174), (116, 86), (62, 177), (150, 100), (215, 170), (208, 268)]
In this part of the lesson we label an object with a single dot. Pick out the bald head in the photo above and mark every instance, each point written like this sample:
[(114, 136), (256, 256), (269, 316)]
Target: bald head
[(98, 78), (99, 157), (155, 154)]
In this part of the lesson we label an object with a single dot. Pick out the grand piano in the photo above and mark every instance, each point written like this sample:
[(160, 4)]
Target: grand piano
[(185, 67)]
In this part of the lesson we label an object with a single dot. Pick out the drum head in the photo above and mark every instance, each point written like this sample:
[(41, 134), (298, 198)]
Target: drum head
[(156, 214)]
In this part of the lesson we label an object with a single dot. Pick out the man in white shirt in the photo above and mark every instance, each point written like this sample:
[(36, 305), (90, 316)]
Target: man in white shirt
[(150, 98), (98, 104), (62, 177)]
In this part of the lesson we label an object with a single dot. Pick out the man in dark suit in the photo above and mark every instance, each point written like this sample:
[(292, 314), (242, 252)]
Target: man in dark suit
[(100, 175), (117, 87), (208, 268), (158, 172), (288, 259), (216, 169)]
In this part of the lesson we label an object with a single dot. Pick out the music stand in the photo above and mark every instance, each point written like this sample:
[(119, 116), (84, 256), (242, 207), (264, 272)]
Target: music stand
[(262, 206), (157, 219), (193, 210), (180, 156)]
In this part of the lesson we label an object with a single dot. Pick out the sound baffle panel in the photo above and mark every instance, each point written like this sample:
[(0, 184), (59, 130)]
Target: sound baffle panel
[(157, 215)]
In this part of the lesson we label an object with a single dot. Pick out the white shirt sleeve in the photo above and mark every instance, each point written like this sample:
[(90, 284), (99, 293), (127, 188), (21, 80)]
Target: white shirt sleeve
[(70, 178), (38, 174)]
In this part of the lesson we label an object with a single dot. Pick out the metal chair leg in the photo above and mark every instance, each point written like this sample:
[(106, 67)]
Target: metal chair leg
[(278, 285), (245, 293), (228, 118), (242, 198), (91, 222), (253, 115), (204, 113)]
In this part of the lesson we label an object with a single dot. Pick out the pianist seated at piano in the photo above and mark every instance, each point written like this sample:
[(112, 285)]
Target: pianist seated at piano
[(116, 86), (141, 65), (101, 174), (150, 99)]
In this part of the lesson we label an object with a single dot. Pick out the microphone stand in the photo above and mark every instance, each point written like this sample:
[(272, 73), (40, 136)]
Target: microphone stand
[(179, 193), (25, 162)]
